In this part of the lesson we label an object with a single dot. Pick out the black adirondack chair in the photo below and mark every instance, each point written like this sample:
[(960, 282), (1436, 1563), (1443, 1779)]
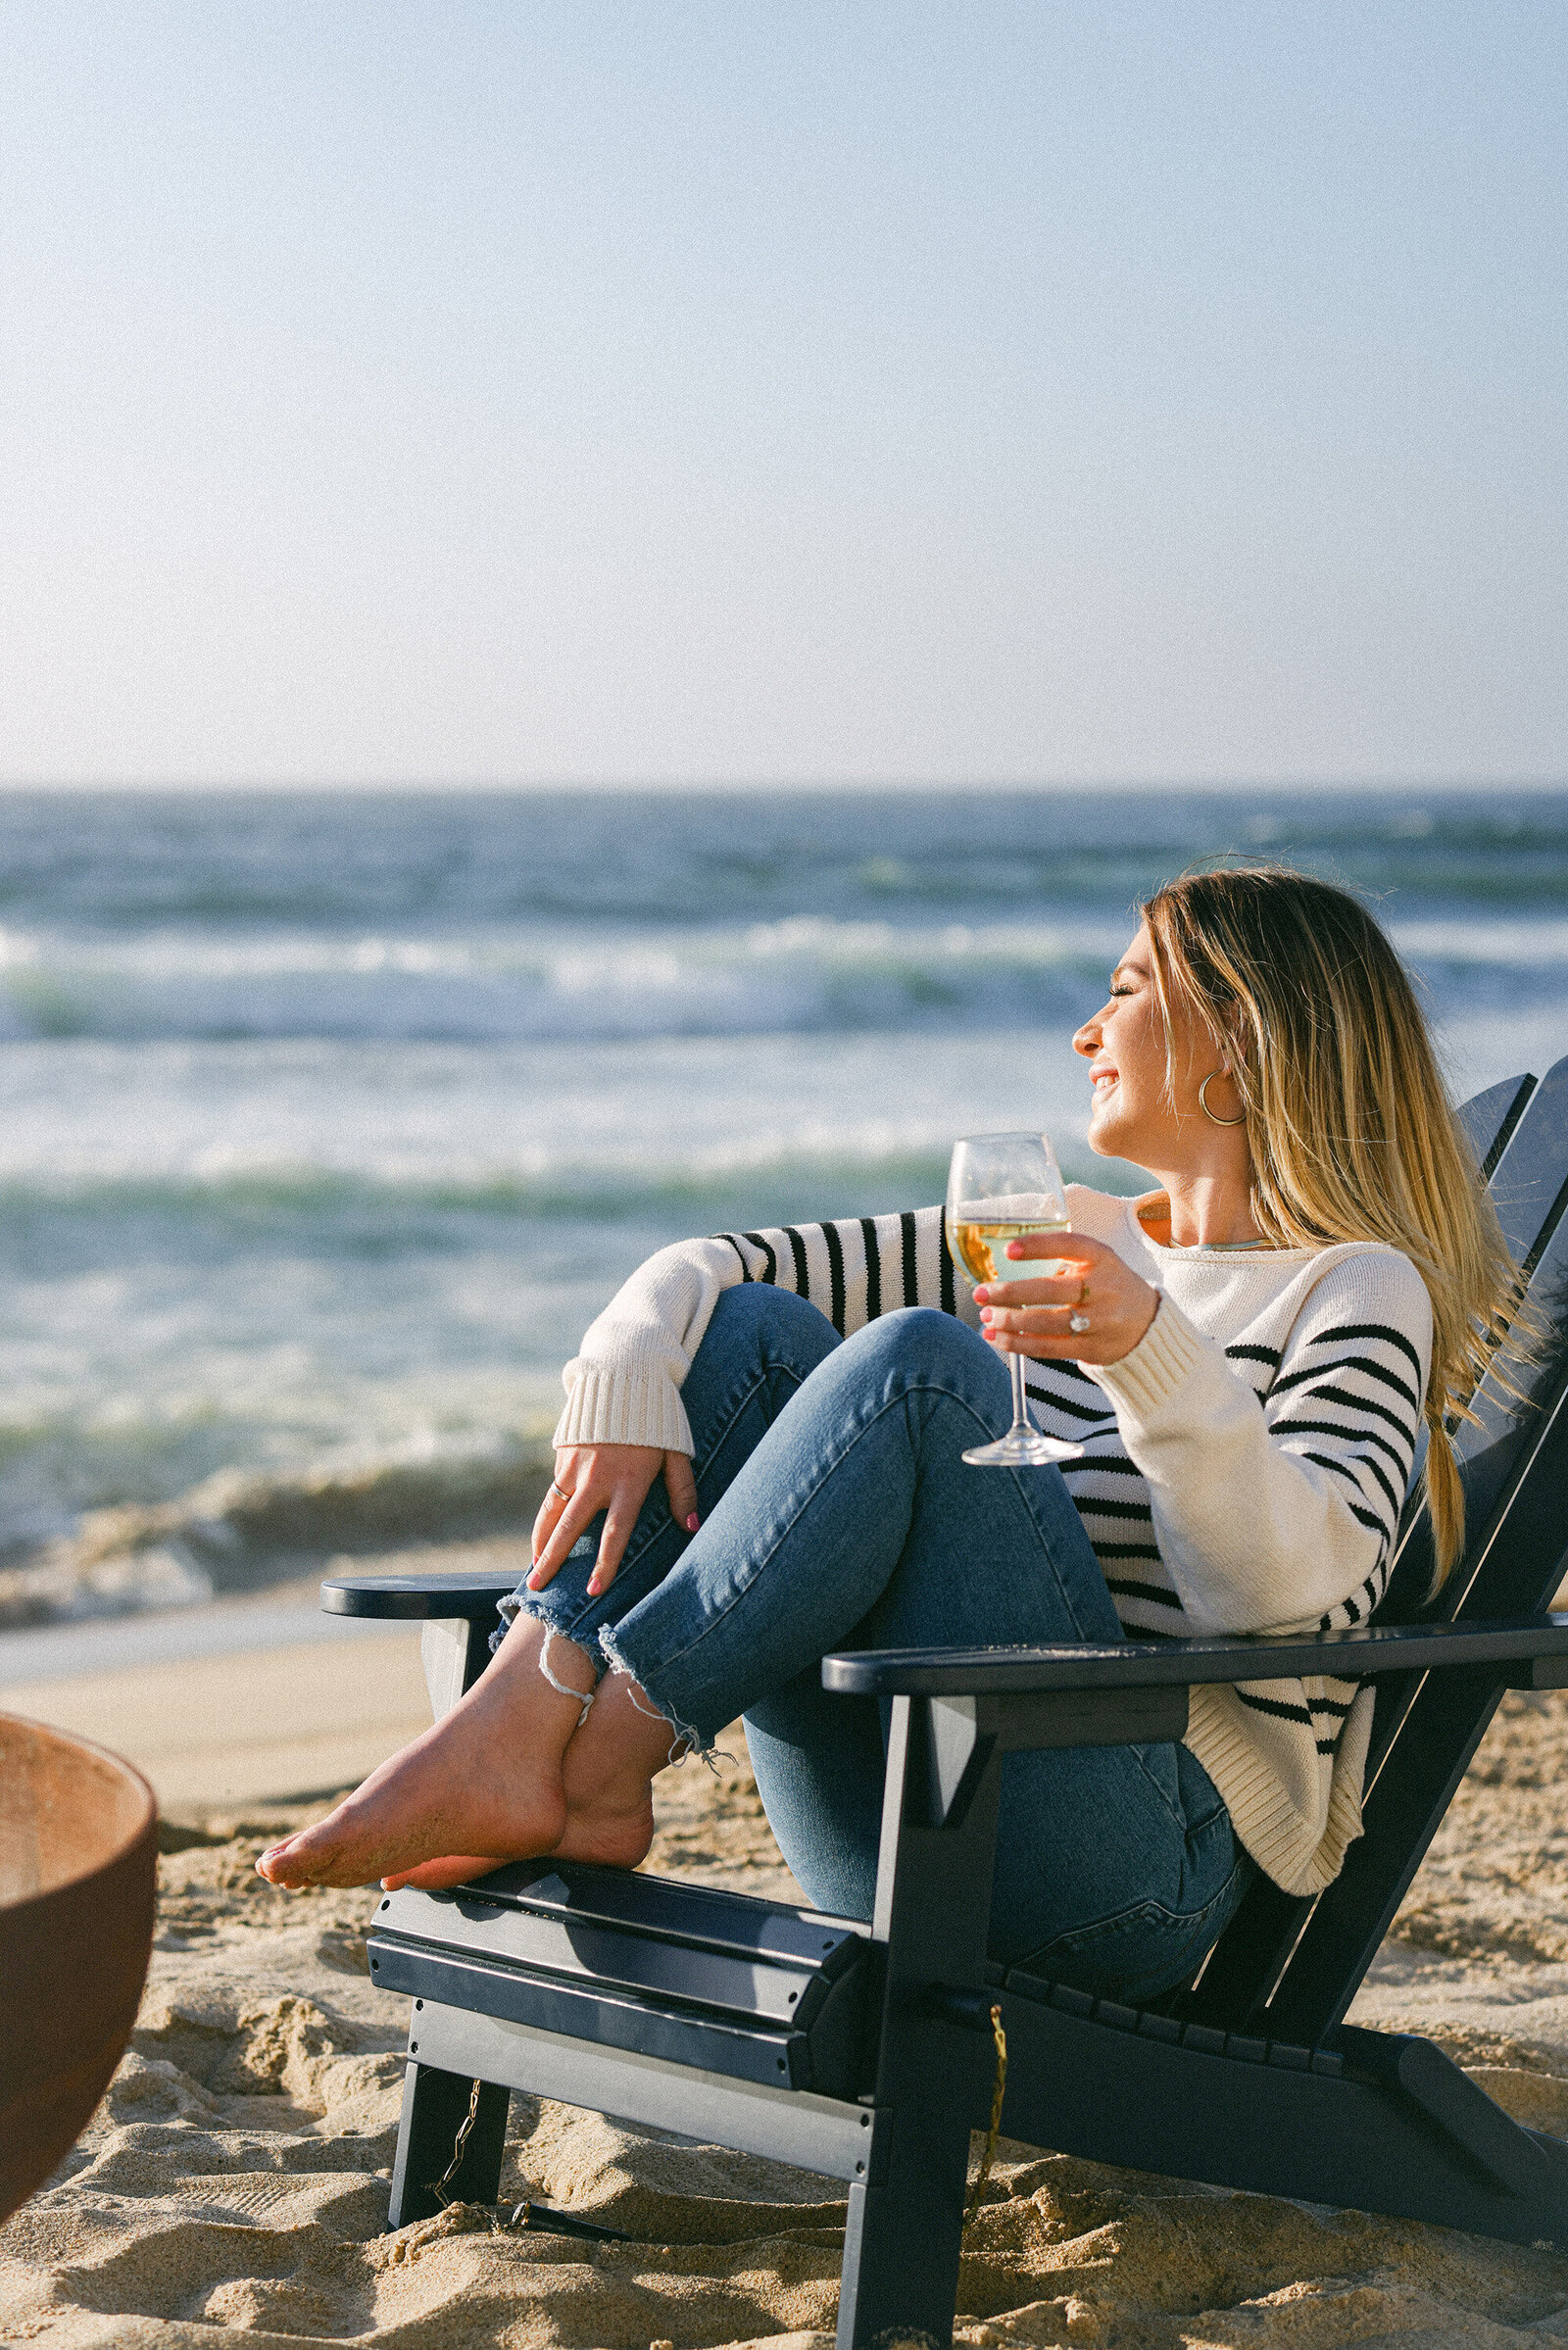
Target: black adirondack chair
[(864, 2052)]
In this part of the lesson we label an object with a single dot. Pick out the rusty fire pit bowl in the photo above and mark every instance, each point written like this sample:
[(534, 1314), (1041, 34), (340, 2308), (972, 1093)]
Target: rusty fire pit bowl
[(79, 1858)]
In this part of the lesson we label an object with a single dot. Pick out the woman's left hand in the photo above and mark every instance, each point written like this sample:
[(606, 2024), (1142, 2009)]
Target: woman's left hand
[(1031, 1316)]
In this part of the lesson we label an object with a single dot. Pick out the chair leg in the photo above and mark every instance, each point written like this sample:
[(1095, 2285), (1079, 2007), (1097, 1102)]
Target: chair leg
[(435, 2106), (905, 2221), (934, 2060)]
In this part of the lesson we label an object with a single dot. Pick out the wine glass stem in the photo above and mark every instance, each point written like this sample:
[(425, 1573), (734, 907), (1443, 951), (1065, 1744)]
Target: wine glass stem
[(1022, 1425)]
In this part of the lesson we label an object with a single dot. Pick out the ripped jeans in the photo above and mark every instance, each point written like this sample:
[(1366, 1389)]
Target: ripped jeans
[(836, 1513)]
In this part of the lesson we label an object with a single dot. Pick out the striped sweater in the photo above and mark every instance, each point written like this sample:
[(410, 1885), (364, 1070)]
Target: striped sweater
[(1243, 1466)]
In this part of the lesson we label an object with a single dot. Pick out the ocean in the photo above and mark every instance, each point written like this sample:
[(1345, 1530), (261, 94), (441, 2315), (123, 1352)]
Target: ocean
[(328, 1120)]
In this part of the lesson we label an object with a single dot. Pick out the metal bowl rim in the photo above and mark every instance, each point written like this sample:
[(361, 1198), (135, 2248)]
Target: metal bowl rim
[(146, 1820)]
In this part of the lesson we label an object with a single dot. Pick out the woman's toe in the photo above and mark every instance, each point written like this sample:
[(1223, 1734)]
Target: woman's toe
[(290, 1863)]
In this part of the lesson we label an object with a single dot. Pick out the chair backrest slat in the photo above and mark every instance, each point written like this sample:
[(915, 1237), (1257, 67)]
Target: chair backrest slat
[(1529, 1190), (1530, 1175), (1292, 1966), (1489, 1119)]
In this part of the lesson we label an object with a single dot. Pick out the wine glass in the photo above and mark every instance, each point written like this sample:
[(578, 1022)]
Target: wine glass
[(1001, 1188)]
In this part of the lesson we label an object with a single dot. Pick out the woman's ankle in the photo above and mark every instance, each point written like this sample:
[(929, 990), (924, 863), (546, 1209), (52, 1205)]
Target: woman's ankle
[(619, 1750), (536, 1649)]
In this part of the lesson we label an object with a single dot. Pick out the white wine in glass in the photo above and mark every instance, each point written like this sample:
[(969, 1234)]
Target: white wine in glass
[(1002, 1187)]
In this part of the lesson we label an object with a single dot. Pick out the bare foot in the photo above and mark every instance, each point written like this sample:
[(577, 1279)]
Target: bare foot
[(607, 1784), (484, 1783)]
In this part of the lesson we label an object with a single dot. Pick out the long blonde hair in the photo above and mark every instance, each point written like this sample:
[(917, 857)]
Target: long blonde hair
[(1349, 1123)]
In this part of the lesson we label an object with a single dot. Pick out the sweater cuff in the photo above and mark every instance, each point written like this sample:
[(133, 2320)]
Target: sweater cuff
[(605, 1407), (1149, 1376)]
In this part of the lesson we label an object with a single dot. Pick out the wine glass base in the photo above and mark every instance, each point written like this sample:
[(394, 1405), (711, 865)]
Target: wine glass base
[(1020, 1450)]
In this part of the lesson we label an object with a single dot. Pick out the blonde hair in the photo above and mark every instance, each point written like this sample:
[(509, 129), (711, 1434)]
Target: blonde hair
[(1351, 1131)]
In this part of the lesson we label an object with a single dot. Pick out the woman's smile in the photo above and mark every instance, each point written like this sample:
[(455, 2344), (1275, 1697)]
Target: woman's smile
[(1104, 1082)]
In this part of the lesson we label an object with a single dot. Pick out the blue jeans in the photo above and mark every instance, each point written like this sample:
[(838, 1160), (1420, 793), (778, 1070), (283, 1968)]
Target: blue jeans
[(836, 1513)]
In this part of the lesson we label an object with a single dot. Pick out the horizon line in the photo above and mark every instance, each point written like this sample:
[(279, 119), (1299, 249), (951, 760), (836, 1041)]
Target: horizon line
[(759, 785)]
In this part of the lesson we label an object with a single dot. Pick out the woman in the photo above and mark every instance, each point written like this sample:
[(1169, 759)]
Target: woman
[(1248, 1354)]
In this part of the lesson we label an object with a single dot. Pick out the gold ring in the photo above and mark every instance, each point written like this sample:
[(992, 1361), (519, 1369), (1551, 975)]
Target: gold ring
[(560, 1490)]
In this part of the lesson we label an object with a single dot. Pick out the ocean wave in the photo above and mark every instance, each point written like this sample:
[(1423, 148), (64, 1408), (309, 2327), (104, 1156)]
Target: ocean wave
[(240, 1530), (1462, 942), (714, 1186), (802, 975)]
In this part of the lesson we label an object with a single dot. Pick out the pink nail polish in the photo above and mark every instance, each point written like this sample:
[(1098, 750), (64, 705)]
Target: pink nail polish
[(692, 1523)]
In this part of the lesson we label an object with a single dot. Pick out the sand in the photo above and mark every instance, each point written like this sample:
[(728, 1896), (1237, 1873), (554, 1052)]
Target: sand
[(236, 2175), (256, 1700)]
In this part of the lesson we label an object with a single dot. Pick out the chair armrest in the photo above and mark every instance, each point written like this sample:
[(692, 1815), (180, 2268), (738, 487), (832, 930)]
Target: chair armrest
[(1535, 1648), (458, 1612), (420, 1599)]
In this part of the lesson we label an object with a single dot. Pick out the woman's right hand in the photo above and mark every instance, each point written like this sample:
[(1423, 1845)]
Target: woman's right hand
[(615, 1479)]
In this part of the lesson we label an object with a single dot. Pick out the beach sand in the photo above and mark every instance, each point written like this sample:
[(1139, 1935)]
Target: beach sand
[(236, 2175)]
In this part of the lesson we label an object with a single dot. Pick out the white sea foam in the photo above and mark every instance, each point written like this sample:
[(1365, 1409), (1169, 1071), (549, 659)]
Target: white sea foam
[(803, 974)]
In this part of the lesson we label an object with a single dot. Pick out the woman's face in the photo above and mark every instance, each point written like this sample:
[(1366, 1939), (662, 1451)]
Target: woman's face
[(1133, 1115)]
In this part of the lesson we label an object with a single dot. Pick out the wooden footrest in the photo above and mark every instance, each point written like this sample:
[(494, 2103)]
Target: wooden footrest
[(672, 1970)]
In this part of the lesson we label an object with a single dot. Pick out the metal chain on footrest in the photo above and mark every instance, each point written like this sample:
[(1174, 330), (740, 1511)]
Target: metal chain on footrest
[(438, 2186), (522, 2215), (995, 2131)]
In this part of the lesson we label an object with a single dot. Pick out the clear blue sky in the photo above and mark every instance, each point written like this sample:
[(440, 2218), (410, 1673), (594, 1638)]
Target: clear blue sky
[(1123, 389)]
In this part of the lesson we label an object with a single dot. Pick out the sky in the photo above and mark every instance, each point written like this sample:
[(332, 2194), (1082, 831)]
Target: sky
[(484, 391)]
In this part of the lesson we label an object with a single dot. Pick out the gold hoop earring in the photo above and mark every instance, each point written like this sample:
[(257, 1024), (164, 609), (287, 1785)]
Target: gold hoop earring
[(1202, 1102)]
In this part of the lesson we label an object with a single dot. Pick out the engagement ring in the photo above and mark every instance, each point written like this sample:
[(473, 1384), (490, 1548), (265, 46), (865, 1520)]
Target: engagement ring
[(1078, 1323)]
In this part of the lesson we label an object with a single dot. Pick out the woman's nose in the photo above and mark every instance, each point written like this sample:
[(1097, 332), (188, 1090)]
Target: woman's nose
[(1087, 1041)]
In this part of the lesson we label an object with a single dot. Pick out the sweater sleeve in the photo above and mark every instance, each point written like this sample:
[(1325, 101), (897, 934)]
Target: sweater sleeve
[(623, 1383), (1279, 1512)]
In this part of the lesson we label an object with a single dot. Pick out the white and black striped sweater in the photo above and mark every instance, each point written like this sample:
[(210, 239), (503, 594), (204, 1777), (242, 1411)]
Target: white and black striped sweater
[(1243, 1468)]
